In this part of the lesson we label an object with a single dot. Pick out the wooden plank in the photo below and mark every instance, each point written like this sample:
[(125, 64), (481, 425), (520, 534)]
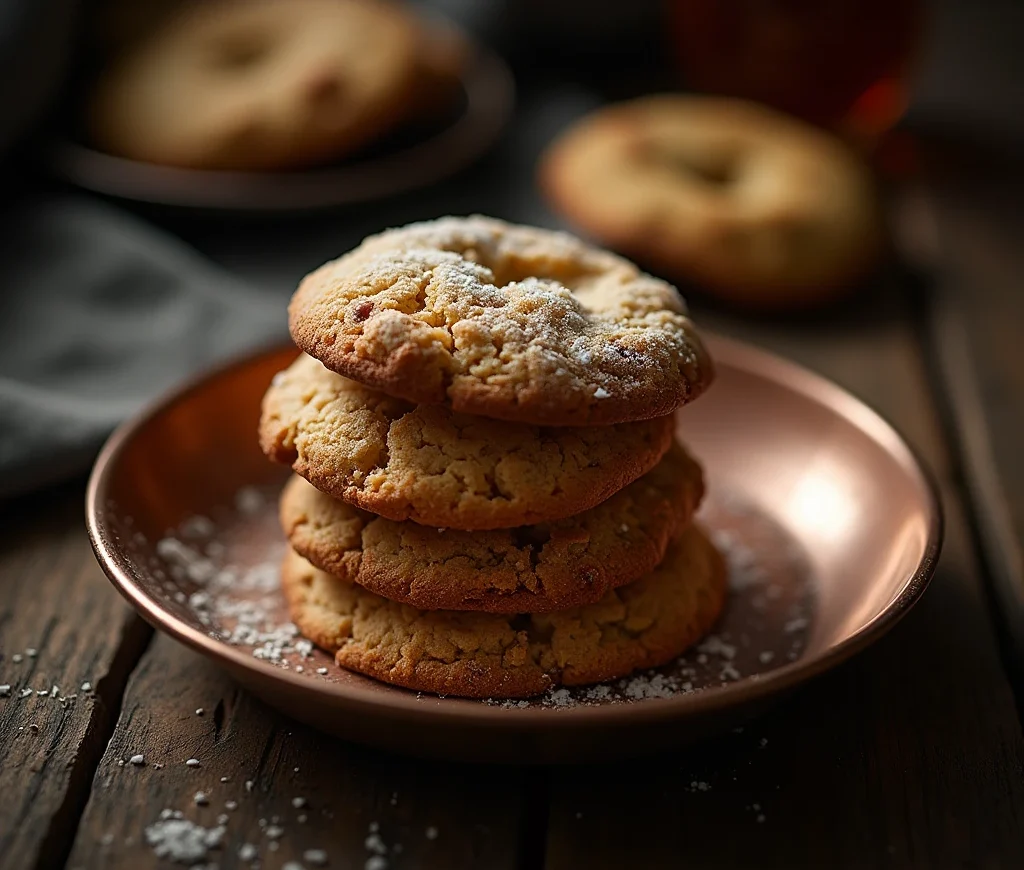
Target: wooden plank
[(975, 330), (57, 603), (427, 814), (909, 756)]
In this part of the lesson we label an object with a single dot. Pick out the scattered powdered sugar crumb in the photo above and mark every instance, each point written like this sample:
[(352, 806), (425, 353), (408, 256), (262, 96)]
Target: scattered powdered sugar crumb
[(795, 625), (316, 857), (180, 840), (192, 762), (728, 673), (247, 852), (374, 842), (559, 698), (200, 799), (137, 760), (431, 833), (714, 645), (197, 527), (249, 500), (744, 569), (378, 849), (601, 393), (239, 605), (5, 690)]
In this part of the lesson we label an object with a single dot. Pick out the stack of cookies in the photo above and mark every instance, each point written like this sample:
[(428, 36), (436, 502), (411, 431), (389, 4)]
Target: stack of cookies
[(489, 499)]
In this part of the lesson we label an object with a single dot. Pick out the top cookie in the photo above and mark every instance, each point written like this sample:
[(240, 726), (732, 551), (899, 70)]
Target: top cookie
[(503, 321)]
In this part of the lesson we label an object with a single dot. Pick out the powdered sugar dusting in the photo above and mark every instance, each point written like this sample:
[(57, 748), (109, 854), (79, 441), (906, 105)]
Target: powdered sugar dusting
[(222, 570), (180, 840)]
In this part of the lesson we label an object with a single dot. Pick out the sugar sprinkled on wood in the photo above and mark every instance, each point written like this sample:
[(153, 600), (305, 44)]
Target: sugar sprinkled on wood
[(180, 840)]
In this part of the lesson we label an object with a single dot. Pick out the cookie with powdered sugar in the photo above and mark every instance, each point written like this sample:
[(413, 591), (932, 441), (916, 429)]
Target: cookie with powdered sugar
[(503, 321)]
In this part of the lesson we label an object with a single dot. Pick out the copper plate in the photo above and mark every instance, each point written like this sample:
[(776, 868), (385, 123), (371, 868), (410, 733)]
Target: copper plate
[(487, 102), (831, 526)]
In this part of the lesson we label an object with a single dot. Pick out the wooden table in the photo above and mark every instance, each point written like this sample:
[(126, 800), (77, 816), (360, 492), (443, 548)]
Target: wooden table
[(911, 755)]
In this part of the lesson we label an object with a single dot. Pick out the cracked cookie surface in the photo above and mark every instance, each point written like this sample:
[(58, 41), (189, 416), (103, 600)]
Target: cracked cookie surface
[(431, 465), (483, 655), (503, 321), (531, 569)]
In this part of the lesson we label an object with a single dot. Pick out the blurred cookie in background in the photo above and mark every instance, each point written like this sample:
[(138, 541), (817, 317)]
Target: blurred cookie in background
[(266, 84), (443, 54), (749, 204)]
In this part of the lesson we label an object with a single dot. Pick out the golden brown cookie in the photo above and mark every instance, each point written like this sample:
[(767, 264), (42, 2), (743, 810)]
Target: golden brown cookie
[(532, 569), (481, 655), (756, 206), (258, 84), (503, 321), (430, 465)]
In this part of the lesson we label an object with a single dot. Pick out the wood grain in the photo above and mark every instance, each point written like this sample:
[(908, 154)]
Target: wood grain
[(56, 601), (976, 342), (909, 756), (430, 815)]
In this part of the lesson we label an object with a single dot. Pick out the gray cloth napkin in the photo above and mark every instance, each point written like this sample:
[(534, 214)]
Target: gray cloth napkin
[(99, 312)]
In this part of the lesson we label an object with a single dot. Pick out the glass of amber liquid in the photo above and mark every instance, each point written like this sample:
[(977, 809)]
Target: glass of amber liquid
[(842, 64)]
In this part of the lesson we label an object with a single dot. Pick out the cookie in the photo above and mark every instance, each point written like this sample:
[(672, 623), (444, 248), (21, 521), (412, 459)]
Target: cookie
[(504, 321), (258, 84), (755, 206), (431, 465), (532, 569), (481, 655)]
